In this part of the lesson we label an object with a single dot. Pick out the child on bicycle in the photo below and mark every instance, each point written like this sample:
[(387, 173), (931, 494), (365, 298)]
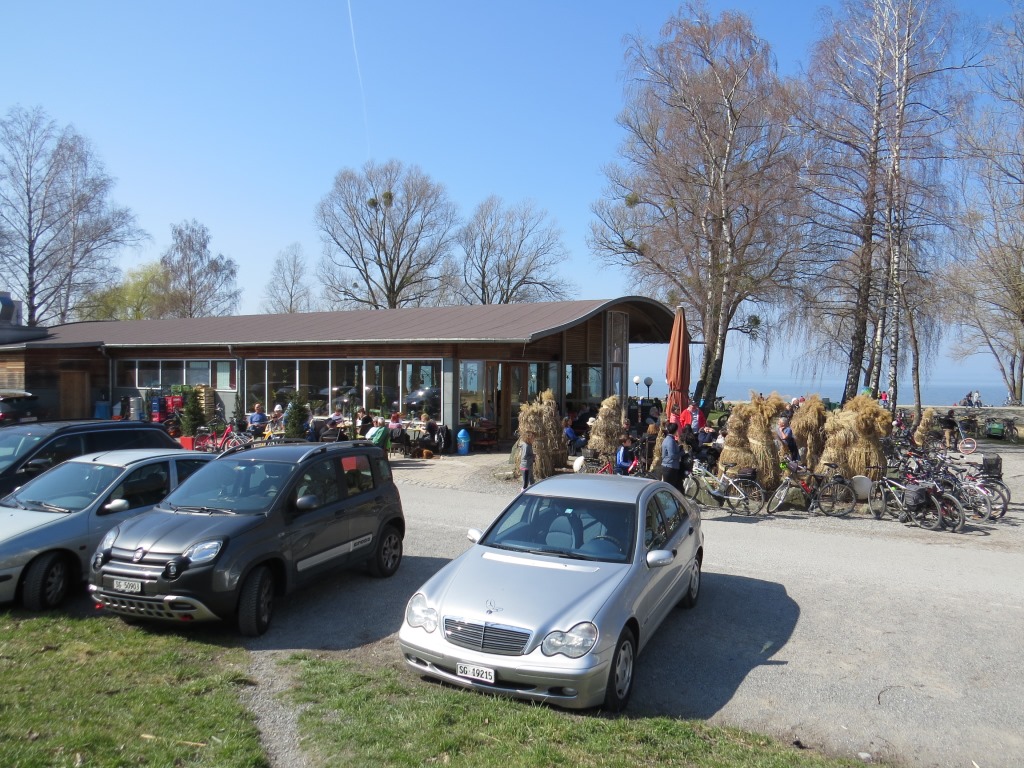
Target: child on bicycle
[(624, 455)]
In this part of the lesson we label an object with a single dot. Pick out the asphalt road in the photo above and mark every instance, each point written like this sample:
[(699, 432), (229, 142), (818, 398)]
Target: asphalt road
[(850, 636)]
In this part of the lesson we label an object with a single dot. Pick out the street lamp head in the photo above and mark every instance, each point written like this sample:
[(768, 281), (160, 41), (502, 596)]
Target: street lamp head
[(636, 380), (648, 381)]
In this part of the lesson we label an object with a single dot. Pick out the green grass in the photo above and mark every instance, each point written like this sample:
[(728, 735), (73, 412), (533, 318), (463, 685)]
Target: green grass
[(96, 692), (358, 714)]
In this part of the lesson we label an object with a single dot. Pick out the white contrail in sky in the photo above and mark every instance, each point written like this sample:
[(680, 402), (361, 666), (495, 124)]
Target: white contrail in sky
[(359, 74)]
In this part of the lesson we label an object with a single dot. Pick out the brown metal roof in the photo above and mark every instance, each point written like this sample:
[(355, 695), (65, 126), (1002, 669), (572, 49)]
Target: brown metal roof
[(650, 321)]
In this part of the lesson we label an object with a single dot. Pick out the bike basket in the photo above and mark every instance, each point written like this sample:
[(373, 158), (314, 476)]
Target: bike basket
[(992, 466), (994, 429), (914, 497), (590, 453), (746, 473)]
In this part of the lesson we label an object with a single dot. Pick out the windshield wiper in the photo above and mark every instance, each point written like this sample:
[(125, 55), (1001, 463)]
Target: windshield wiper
[(47, 506), (205, 510), (560, 553)]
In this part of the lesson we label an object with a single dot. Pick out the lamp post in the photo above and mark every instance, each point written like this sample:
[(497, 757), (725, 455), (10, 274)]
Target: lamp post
[(636, 380), (648, 381)]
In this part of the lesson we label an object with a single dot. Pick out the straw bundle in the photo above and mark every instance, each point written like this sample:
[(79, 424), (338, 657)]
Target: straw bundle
[(808, 425), (751, 441), (924, 429), (607, 430), (540, 420), (853, 436)]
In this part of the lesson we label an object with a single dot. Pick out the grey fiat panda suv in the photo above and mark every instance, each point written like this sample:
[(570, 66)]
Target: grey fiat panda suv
[(253, 525)]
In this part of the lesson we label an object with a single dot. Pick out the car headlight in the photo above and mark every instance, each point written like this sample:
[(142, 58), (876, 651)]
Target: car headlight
[(108, 541), (203, 552), (574, 643), (419, 614)]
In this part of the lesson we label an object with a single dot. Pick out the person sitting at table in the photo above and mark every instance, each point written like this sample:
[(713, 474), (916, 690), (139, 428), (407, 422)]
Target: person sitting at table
[(332, 428), (277, 420), (365, 422), (397, 432), (575, 441), (429, 438), (257, 420)]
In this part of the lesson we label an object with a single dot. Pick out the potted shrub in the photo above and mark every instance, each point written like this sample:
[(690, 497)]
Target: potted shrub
[(192, 417)]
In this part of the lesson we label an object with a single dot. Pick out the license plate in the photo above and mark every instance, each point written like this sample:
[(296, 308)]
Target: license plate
[(473, 671), (30, 418), (125, 585)]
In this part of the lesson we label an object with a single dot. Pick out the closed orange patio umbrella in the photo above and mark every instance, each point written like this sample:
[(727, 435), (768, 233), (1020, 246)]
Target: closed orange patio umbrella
[(677, 367)]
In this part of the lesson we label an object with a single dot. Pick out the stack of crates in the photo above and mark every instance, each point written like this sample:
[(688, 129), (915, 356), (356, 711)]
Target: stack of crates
[(157, 406), (206, 399)]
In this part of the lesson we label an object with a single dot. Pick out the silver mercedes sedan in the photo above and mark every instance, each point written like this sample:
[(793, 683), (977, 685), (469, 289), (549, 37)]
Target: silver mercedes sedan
[(554, 601)]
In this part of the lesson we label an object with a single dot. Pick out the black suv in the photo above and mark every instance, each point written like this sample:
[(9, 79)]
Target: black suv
[(254, 524), (28, 449), (17, 407)]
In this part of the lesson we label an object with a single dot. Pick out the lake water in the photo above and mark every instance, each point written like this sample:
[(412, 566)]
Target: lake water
[(941, 392)]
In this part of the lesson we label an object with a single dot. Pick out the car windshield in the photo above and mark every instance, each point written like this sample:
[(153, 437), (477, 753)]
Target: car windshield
[(15, 442), (231, 485), (68, 487), (562, 527)]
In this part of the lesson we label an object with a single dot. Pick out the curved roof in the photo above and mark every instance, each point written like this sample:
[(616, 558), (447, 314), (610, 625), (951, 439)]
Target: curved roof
[(650, 321)]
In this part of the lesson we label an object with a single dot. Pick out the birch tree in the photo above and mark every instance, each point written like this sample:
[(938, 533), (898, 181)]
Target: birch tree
[(200, 284), (287, 291)]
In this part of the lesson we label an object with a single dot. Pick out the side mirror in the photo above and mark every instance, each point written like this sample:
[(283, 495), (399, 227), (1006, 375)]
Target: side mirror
[(35, 466), (659, 558), (117, 505), (306, 503), (474, 535)]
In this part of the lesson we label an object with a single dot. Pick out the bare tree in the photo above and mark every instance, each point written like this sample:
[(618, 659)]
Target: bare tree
[(287, 291), (199, 283), (703, 211), (988, 282), (58, 230), (509, 255), (388, 231)]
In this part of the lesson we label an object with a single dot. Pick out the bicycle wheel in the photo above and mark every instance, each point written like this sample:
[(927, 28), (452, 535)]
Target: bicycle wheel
[(779, 497), (882, 501), (690, 487), (1000, 495), (952, 515), (975, 502), (928, 515), (234, 441), (1011, 434), (204, 443), (745, 496), (836, 498), (967, 446)]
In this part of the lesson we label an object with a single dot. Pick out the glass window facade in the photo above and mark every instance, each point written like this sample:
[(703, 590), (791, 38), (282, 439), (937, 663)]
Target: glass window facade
[(162, 374), (472, 398)]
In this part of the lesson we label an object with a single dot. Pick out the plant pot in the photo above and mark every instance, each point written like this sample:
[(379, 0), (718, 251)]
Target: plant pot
[(188, 443)]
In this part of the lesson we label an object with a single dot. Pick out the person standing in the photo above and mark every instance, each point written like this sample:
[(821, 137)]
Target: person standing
[(784, 434), (526, 458), (670, 456), (693, 417), (624, 455)]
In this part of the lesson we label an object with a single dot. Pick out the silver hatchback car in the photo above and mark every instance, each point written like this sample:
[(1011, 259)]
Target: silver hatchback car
[(50, 526), (558, 596)]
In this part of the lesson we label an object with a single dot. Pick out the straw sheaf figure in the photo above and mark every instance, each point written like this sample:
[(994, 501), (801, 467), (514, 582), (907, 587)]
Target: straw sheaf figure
[(607, 430), (808, 425), (924, 429), (540, 420), (751, 439), (853, 437)]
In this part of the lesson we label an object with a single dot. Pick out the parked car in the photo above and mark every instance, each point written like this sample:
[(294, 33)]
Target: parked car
[(255, 524), (17, 407), (29, 449), (50, 526), (554, 601)]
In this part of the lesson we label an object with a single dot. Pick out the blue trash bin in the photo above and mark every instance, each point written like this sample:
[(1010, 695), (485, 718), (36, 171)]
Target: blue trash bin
[(463, 441)]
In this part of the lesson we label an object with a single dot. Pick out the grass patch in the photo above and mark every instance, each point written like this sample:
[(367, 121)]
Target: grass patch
[(96, 692), (367, 714)]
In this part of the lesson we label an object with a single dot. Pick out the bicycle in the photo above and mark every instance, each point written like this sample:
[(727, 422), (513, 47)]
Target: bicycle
[(595, 466), (923, 505), (743, 494), (831, 494)]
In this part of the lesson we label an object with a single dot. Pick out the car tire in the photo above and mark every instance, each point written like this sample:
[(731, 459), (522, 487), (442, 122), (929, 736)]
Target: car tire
[(620, 676), (47, 582), (256, 602), (387, 555), (693, 591)]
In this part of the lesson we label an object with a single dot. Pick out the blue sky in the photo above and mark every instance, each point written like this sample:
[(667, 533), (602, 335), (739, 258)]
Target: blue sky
[(239, 115)]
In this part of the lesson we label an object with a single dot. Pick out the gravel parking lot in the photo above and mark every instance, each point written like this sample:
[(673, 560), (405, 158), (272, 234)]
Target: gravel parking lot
[(853, 636)]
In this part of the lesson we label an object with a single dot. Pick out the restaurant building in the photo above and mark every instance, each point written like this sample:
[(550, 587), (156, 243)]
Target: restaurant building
[(459, 364)]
